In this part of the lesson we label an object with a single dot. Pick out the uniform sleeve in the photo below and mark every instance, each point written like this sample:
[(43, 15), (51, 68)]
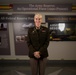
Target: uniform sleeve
[(31, 48)]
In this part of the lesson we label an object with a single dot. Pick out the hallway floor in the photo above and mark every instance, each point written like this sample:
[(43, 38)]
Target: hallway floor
[(25, 70)]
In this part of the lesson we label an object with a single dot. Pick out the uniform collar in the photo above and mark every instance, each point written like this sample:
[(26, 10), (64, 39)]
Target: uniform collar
[(39, 28)]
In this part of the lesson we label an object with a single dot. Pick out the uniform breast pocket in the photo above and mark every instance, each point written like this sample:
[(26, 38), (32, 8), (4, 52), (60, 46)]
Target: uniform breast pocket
[(43, 35), (33, 36)]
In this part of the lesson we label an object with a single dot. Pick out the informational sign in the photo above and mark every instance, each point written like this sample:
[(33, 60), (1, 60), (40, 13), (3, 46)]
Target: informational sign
[(60, 18), (16, 17), (42, 7), (4, 39), (38, 7)]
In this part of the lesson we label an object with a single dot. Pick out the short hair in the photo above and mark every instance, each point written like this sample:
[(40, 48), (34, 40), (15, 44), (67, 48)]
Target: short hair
[(38, 14)]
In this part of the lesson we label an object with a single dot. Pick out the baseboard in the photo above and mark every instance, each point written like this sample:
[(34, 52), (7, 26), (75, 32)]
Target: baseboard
[(49, 62), (62, 62)]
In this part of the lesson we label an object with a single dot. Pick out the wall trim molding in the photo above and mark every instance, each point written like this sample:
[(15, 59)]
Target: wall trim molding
[(49, 62)]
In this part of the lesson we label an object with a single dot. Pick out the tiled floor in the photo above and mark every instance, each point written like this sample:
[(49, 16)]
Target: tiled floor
[(25, 70)]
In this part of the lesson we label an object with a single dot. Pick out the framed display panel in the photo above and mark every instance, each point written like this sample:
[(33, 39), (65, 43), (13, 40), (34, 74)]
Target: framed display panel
[(20, 34), (62, 27), (21, 24)]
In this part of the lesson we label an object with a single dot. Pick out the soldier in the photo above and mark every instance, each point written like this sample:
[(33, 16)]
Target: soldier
[(38, 41)]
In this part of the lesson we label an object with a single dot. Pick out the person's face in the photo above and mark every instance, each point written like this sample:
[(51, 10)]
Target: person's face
[(38, 20)]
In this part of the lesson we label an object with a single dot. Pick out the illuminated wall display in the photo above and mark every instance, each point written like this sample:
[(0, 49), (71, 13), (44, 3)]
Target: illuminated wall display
[(62, 28)]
